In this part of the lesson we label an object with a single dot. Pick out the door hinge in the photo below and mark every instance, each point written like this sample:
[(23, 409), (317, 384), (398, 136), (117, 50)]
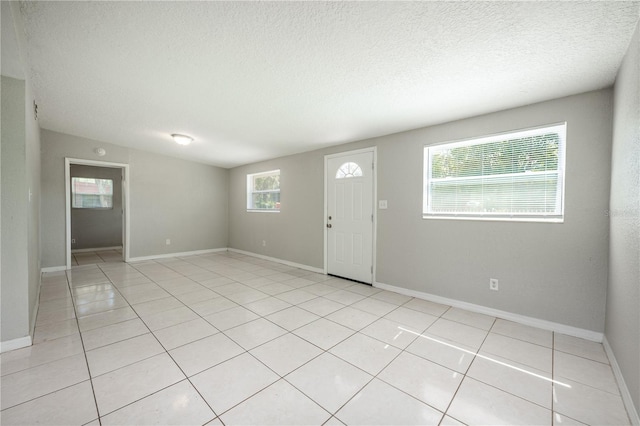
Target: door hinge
[(372, 269), (371, 217), (373, 166)]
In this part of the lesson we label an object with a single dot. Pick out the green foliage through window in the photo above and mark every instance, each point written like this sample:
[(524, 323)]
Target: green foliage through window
[(263, 191), (514, 175), (530, 154)]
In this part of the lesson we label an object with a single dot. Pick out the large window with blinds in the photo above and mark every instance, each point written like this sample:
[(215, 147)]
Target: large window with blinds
[(511, 176)]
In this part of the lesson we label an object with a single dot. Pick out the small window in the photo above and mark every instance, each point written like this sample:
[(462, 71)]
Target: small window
[(91, 193), (514, 176), (348, 170), (263, 191)]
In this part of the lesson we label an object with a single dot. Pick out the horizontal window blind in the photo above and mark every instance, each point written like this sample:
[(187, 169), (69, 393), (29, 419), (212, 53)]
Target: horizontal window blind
[(91, 193), (517, 175)]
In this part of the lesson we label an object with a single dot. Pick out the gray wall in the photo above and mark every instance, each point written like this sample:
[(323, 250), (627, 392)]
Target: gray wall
[(32, 165), (15, 296), (20, 188), (293, 234), (623, 294), (555, 272), (96, 228), (169, 198)]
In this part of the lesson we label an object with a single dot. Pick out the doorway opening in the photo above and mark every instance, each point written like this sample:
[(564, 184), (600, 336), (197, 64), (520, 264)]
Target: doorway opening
[(97, 214), (350, 215)]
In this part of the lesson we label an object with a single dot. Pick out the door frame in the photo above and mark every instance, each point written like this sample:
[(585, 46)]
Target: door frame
[(126, 228), (374, 150)]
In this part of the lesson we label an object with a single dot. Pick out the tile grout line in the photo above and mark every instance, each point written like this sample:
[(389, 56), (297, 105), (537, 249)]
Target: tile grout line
[(167, 351), (66, 282), (383, 316), (379, 317), (220, 331), (373, 376), (281, 377), (500, 389), (389, 363), (464, 375), (553, 375), (84, 352), (168, 354), (245, 351), (287, 331)]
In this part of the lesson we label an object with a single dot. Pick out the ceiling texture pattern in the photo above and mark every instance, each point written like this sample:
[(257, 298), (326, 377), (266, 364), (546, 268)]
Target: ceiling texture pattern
[(257, 80)]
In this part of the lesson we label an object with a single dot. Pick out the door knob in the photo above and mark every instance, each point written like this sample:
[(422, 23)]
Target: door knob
[(328, 225)]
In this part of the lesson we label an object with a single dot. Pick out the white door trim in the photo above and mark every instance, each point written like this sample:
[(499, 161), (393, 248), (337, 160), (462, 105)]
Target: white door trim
[(125, 202), (373, 150)]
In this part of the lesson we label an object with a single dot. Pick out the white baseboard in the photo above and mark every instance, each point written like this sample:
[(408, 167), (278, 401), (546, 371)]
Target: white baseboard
[(284, 262), (152, 257), (10, 345), (181, 254), (53, 269), (521, 319), (624, 390), (95, 249)]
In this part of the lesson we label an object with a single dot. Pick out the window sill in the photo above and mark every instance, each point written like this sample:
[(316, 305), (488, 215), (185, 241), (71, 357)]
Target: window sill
[(262, 211), (497, 219), (92, 208)]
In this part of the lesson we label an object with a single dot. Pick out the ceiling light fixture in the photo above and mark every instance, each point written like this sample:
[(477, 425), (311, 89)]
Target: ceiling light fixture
[(182, 139)]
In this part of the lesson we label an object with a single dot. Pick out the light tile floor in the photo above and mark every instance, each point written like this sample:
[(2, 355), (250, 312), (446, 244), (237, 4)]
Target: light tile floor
[(231, 339), (97, 256)]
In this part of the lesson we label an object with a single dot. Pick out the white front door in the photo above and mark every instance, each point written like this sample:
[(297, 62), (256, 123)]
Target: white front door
[(349, 217)]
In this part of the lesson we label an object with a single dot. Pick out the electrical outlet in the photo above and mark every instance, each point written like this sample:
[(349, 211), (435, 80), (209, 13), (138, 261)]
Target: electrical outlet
[(168, 242), (493, 284), (73, 241), (382, 204), (264, 243)]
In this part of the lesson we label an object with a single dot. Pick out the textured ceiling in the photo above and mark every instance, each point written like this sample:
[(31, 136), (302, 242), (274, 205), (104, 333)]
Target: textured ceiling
[(10, 59), (251, 81)]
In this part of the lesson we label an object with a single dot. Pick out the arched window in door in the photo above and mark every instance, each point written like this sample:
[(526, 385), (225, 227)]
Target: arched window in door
[(348, 170)]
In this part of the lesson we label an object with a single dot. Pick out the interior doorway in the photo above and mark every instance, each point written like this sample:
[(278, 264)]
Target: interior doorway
[(350, 215), (97, 214)]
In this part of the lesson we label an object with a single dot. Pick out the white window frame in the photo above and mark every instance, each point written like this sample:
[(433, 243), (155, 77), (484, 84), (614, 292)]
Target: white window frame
[(251, 191), (556, 217)]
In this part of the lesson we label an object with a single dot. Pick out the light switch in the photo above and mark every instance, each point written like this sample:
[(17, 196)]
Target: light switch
[(382, 204)]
